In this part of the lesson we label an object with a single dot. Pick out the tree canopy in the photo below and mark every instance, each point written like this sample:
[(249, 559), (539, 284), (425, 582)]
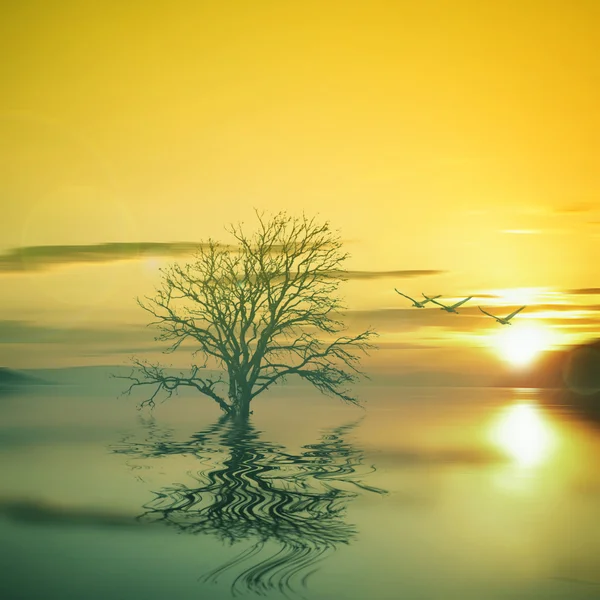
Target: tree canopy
[(260, 310)]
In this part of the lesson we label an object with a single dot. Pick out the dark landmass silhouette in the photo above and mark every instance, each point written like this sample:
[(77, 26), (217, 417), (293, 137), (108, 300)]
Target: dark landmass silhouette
[(11, 380), (573, 375)]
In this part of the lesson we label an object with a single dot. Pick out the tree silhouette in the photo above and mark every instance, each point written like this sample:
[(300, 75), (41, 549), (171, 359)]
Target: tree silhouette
[(290, 507), (259, 311)]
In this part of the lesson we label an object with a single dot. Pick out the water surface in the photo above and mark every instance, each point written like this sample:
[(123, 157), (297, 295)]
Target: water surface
[(427, 493)]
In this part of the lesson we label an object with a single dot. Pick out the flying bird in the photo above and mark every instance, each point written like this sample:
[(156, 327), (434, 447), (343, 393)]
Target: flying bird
[(430, 298), (503, 320), (450, 309), (417, 303)]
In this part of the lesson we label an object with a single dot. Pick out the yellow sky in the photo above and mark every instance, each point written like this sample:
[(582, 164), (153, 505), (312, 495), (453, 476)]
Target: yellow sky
[(460, 136)]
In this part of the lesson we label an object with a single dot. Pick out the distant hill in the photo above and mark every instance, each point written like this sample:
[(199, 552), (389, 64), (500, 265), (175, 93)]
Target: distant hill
[(581, 377), (10, 379), (574, 374), (581, 370), (93, 375)]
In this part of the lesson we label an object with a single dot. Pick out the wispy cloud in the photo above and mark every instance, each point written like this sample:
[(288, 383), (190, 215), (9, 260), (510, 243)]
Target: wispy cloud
[(477, 296), (385, 274), (396, 320), (36, 258), (39, 258), (25, 332), (584, 291), (405, 346), (574, 209), (560, 308)]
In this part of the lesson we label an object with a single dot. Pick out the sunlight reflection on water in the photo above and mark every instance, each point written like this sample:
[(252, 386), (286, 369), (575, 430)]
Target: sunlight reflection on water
[(523, 432)]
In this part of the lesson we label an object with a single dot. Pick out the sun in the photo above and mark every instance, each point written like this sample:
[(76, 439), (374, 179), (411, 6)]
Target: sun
[(519, 345)]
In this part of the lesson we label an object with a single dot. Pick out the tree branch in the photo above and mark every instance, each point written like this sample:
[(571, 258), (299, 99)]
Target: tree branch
[(153, 375)]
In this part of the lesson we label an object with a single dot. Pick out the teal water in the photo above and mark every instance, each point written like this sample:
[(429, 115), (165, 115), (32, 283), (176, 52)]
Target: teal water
[(425, 494)]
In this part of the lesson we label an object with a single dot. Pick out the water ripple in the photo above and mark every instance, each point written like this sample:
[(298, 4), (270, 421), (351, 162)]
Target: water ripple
[(289, 507)]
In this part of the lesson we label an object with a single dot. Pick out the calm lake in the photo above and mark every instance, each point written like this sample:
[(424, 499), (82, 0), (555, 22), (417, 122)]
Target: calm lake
[(427, 493)]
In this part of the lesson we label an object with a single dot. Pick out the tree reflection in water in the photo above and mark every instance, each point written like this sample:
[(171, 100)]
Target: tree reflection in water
[(291, 506)]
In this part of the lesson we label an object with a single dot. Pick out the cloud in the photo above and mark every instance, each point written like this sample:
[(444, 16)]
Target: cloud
[(385, 274), (485, 296), (571, 580), (133, 351), (394, 320), (134, 339), (575, 209), (584, 291), (25, 332), (406, 319), (579, 323), (561, 308), (405, 346), (37, 258)]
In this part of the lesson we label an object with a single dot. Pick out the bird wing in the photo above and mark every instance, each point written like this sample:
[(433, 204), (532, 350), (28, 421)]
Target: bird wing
[(438, 303), (485, 312), (430, 298), (461, 302), (411, 299), (512, 314)]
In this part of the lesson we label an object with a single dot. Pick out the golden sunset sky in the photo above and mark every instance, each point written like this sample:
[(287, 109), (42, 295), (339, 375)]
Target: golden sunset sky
[(459, 138)]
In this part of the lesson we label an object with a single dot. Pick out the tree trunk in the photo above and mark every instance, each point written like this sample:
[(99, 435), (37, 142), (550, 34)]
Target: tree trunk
[(239, 399), (240, 408)]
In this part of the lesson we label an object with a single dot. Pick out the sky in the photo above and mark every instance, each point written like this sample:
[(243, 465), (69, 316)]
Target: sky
[(455, 144)]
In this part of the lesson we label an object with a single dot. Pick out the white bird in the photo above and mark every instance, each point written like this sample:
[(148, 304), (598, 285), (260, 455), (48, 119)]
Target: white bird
[(450, 309), (502, 320), (417, 303)]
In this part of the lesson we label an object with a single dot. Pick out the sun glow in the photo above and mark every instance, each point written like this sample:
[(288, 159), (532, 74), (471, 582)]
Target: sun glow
[(520, 344), (519, 296), (522, 432)]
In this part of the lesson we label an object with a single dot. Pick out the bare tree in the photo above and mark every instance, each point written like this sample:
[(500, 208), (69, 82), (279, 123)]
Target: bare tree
[(260, 311)]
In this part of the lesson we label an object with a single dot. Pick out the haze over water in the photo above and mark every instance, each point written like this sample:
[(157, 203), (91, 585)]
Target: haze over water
[(428, 493)]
